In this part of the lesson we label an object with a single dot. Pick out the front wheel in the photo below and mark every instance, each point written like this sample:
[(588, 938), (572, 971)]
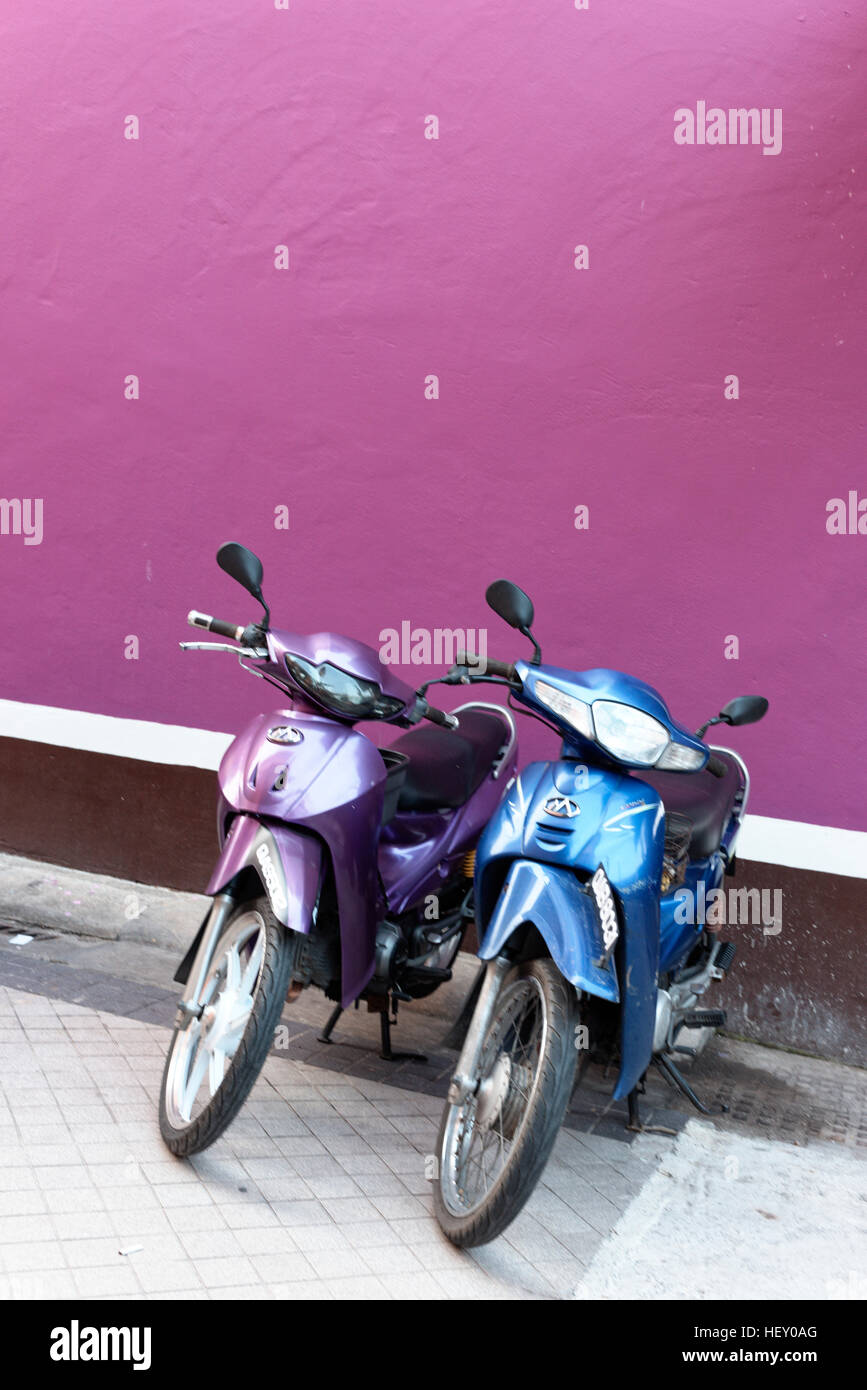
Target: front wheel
[(494, 1145), (214, 1061)]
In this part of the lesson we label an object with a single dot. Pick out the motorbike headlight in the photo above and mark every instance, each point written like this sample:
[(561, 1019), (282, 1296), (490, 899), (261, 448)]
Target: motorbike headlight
[(574, 712), (628, 734), (340, 692)]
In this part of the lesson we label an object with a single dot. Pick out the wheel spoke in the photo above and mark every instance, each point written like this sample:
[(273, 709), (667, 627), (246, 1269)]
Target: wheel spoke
[(251, 970), (195, 1078), (216, 1069), (487, 1126)]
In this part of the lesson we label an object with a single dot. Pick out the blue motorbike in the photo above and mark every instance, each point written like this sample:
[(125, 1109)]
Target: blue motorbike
[(581, 883)]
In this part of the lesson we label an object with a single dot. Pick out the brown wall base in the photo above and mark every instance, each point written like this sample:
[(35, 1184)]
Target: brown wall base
[(146, 821), (156, 824)]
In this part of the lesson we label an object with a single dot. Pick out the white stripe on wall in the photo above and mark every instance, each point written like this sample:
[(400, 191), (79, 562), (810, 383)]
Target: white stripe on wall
[(103, 733), (764, 839)]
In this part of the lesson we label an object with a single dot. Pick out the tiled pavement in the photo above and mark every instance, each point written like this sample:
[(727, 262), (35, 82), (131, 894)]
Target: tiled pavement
[(318, 1189)]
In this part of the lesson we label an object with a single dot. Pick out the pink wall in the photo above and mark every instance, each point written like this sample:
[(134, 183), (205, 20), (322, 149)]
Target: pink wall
[(410, 256)]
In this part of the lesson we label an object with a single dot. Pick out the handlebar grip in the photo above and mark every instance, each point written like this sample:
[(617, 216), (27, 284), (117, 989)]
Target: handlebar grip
[(439, 716), (716, 766), (222, 629), (488, 664)]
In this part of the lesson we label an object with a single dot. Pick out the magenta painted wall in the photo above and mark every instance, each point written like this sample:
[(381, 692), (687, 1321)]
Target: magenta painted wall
[(411, 256)]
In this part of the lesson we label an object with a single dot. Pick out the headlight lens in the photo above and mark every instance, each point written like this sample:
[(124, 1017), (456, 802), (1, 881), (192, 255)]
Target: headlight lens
[(574, 712), (340, 692), (629, 734)]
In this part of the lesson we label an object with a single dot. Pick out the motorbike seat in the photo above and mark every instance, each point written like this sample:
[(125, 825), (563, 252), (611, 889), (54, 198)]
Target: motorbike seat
[(704, 799), (447, 765)]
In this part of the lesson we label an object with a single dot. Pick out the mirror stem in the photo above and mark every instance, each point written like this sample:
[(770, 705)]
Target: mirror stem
[(536, 659)]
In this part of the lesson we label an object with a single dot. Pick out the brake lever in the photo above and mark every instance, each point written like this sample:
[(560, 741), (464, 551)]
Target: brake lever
[(249, 652)]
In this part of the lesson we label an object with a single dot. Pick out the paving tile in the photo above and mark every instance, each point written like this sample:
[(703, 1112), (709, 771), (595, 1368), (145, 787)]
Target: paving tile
[(283, 1267), (266, 1240), (27, 1255), (337, 1264), (222, 1270), (200, 1245)]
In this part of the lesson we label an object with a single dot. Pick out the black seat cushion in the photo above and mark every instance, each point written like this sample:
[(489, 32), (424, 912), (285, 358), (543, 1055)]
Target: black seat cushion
[(704, 799), (447, 765)]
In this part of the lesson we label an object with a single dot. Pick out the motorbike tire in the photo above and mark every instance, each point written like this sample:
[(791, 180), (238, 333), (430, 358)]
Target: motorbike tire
[(543, 1117), (269, 996)]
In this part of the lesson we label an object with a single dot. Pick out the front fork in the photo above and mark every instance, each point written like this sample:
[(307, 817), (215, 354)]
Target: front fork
[(215, 922), (465, 1079)]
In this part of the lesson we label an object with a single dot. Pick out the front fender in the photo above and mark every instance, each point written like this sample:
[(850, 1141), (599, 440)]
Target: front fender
[(564, 914), (288, 864)]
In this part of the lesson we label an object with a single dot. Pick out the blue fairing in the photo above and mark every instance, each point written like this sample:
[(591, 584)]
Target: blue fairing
[(555, 897), (526, 867), (677, 934)]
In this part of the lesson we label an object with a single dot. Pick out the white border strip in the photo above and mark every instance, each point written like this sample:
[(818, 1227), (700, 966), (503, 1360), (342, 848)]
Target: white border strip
[(799, 845), (103, 733), (764, 839)]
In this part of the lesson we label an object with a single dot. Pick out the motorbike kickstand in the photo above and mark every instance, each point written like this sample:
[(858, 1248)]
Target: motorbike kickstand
[(635, 1122), (385, 1052), (325, 1035), (677, 1079)]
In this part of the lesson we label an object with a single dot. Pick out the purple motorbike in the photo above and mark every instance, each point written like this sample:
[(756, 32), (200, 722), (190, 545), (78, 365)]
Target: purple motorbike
[(341, 865)]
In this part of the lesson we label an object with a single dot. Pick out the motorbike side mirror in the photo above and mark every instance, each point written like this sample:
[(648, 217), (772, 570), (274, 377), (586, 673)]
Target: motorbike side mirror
[(242, 565), (510, 603), (245, 568), (745, 709), (515, 608)]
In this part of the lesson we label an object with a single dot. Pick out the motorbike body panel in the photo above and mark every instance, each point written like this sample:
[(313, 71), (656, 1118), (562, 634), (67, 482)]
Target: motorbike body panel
[(562, 909), (418, 852), (289, 864), (568, 818), (329, 783), (676, 935), (357, 658)]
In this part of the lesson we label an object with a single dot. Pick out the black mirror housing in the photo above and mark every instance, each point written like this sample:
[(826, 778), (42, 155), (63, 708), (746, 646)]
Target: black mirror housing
[(243, 566), (510, 603), (745, 709)]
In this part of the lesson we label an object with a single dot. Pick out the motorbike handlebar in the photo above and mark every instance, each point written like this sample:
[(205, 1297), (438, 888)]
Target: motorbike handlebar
[(437, 716), (716, 766), (491, 667), (217, 625)]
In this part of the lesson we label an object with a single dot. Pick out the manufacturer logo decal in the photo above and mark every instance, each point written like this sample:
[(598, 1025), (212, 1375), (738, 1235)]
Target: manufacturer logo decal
[(561, 806), (282, 733)]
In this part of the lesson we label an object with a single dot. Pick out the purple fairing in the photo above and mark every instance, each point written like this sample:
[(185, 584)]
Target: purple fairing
[(355, 657), (329, 785), (418, 852)]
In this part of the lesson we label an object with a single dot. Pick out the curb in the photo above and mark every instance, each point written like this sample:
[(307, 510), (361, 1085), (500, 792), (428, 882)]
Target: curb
[(74, 903), (34, 894)]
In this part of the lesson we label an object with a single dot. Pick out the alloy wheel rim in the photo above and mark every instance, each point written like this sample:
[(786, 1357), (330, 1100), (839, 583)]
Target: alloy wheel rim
[(202, 1052)]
